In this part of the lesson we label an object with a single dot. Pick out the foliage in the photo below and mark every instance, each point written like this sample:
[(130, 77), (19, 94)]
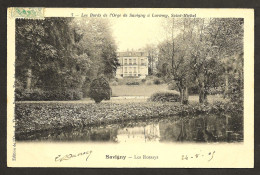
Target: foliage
[(152, 51), (172, 86), (158, 74), (144, 80), (133, 83), (114, 83), (41, 95), (63, 53), (215, 90), (97, 42), (194, 90), (206, 53), (165, 97), (100, 89), (157, 81), (36, 117)]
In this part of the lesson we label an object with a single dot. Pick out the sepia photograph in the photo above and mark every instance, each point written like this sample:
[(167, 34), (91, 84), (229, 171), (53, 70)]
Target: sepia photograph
[(126, 78)]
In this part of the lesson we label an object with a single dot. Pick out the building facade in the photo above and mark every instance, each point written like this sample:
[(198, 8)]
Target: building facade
[(132, 64)]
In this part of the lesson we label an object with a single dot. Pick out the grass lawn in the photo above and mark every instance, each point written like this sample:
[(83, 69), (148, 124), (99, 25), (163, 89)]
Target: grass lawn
[(138, 90), (211, 99)]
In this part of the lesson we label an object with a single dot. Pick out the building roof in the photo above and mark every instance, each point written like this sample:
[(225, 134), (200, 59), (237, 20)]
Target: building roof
[(132, 54)]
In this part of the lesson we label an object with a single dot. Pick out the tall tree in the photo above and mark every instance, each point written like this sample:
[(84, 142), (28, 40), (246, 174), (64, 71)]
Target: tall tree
[(217, 40), (152, 51), (46, 49), (175, 51)]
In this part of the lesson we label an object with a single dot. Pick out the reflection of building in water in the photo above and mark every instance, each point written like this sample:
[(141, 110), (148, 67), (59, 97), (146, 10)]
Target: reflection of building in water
[(149, 133), (198, 129)]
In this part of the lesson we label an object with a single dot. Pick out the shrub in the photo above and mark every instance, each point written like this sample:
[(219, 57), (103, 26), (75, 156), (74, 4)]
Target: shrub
[(165, 97), (215, 91), (173, 86), (100, 89), (114, 83), (28, 95), (41, 95), (157, 81), (108, 96), (132, 83), (77, 95), (143, 80), (194, 90), (158, 74), (149, 83)]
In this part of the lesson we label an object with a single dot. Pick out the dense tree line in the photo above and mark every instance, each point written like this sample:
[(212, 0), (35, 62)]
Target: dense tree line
[(63, 53), (205, 53)]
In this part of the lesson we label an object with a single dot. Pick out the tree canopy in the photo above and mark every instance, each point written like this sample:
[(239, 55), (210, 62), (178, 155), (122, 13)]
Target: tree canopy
[(63, 53), (201, 52)]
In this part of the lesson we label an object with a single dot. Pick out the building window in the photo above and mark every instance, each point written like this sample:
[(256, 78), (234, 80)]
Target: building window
[(125, 69), (130, 61), (134, 69), (134, 62), (125, 63), (142, 62)]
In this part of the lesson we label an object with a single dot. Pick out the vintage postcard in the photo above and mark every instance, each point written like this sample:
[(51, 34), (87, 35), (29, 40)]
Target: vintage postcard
[(130, 87)]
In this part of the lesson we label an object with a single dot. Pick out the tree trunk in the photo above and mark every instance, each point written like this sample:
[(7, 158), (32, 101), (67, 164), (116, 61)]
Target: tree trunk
[(29, 79), (202, 94), (185, 96), (226, 84), (152, 66), (181, 95)]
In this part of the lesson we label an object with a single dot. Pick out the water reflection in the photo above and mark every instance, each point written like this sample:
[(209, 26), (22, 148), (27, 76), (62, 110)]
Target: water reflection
[(189, 129)]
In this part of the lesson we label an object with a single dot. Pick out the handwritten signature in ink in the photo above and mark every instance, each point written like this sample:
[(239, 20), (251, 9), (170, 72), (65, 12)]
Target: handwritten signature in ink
[(61, 158)]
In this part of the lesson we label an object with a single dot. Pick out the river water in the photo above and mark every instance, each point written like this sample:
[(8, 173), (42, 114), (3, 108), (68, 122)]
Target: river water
[(206, 128)]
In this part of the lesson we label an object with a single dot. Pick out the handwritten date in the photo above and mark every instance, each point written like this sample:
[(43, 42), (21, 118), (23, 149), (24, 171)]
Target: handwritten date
[(208, 155)]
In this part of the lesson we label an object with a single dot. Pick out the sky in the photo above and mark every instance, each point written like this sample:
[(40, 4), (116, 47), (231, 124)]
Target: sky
[(135, 33)]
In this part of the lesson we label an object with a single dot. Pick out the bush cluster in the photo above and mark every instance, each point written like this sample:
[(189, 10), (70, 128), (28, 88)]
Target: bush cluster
[(165, 97), (157, 81), (41, 95), (132, 83)]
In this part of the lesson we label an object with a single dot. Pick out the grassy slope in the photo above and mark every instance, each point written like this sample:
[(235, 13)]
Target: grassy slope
[(138, 90)]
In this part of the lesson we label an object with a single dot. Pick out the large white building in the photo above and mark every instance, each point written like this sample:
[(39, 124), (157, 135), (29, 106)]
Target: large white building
[(132, 64)]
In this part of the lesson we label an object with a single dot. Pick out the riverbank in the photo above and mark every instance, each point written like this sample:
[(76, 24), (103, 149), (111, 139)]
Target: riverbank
[(35, 117)]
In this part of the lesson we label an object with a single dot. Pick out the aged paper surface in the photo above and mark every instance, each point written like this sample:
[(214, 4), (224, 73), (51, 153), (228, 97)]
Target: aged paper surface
[(132, 153)]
